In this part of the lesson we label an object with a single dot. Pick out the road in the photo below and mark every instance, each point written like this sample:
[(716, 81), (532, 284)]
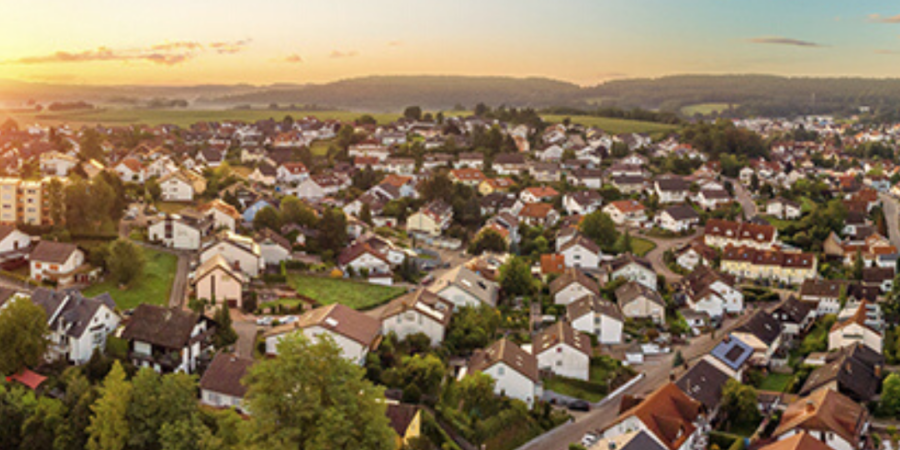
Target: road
[(891, 210), (657, 371), (744, 198), (663, 245)]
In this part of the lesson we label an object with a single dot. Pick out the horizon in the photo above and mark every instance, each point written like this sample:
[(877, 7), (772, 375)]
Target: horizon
[(585, 42)]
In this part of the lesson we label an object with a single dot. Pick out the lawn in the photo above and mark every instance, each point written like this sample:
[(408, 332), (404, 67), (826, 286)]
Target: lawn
[(641, 246), (153, 286), (776, 382), (704, 108), (605, 373), (180, 117), (320, 147), (613, 126), (355, 294), (573, 388)]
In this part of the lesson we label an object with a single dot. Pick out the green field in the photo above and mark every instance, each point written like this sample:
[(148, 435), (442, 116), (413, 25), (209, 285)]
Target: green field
[(355, 294), (776, 382), (641, 246), (153, 286), (613, 126), (704, 108), (180, 117), (320, 147)]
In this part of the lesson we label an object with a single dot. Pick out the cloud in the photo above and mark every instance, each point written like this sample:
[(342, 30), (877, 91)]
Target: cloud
[(395, 43), (882, 51), (779, 40), (165, 54), (337, 54), (878, 18), (293, 59)]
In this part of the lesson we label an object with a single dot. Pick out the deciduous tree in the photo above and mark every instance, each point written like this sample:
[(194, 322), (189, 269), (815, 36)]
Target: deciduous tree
[(23, 335)]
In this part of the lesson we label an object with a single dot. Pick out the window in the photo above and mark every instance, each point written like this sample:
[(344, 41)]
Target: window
[(501, 371)]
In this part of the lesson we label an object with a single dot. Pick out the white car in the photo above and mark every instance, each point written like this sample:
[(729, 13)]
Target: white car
[(589, 439), (264, 321)]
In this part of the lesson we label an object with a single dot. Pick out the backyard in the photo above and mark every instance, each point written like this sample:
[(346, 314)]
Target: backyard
[(355, 294), (153, 286), (605, 373), (776, 382)]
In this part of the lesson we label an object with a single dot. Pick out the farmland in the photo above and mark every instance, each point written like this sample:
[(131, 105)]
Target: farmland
[(614, 126)]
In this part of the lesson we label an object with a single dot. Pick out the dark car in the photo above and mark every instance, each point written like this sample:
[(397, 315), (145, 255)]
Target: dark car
[(580, 405)]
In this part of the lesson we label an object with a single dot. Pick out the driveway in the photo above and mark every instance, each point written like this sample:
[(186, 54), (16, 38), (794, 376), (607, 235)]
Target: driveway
[(245, 327), (891, 211), (744, 198), (663, 245)]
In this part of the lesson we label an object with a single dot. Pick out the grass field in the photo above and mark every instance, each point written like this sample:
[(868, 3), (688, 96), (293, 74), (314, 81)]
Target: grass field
[(320, 147), (614, 126), (704, 108), (776, 382), (153, 286), (641, 246), (355, 294), (183, 118)]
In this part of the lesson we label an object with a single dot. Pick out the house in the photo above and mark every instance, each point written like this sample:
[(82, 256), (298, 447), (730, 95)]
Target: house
[(168, 339), (538, 194), (671, 189), (130, 170), (749, 263), (711, 199), (54, 163), (712, 292), (406, 421), (672, 417), (630, 184), (856, 329), (723, 233), (264, 173), (258, 205), (783, 209), (581, 252), (550, 153), (273, 247), (465, 287), (678, 219), (491, 185), (641, 302), (552, 263), (291, 173), (59, 262), (468, 177), (633, 268), (361, 258), (421, 311), (538, 215), (78, 325), (879, 277), (13, 241), (582, 202), (353, 331), (309, 189), (241, 252), (178, 232), (181, 186), (626, 212), (469, 161), (694, 254), (432, 219), (515, 371), (828, 416), (509, 164), (545, 172), (562, 350), (593, 315), (795, 316), (799, 441), (219, 282), (572, 285), (826, 295), (731, 356), (763, 334), (855, 371), (588, 178), (223, 215), (703, 382), (220, 386)]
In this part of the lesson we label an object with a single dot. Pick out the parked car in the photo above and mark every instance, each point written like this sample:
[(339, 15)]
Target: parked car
[(589, 439), (428, 280), (580, 405), (264, 321)]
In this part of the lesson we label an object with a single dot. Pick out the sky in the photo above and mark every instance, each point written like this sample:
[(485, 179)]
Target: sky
[(185, 42)]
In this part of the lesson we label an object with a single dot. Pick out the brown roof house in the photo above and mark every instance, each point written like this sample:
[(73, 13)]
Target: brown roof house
[(670, 415), (827, 416), (514, 370), (593, 315), (417, 312), (221, 385), (572, 285), (168, 340), (60, 262), (354, 332), (564, 351), (640, 302)]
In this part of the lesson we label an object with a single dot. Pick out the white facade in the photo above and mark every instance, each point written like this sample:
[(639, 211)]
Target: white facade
[(570, 293), (579, 256), (565, 360), (220, 285), (350, 349), (512, 383), (14, 241), (636, 272), (458, 296), (854, 333), (175, 234), (247, 261), (41, 270), (608, 329), (643, 308), (174, 189), (413, 321)]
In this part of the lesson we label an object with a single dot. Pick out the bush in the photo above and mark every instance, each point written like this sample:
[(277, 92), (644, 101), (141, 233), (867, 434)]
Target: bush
[(723, 440)]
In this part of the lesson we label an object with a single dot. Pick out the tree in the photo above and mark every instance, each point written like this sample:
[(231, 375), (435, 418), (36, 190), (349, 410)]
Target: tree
[(330, 404), (109, 428), (56, 201), (154, 190), (739, 403), (858, 266), (293, 210), (365, 214), (413, 113), (890, 396), (9, 125), (125, 261), (624, 243), (472, 328), (23, 335), (600, 228), (332, 231), (515, 277), (90, 145), (225, 334), (267, 217), (438, 186), (488, 240)]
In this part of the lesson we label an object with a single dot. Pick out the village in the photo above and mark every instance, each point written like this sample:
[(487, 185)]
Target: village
[(509, 282)]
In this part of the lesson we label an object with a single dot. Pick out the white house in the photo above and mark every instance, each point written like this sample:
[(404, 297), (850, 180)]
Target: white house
[(130, 170), (167, 339), (582, 202), (362, 258), (58, 164), (828, 416), (292, 172), (633, 268), (353, 331), (783, 209), (432, 219), (181, 186), (223, 215), (217, 281), (713, 293), (177, 232), (640, 302), (417, 312), (572, 285), (221, 385), (57, 261), (563, 351), (78, 325), (273, 247), (857, 329), (630, 212), (678, 219), (467, 288), (591, 314), (514, 370), (12, 240), (242, 252), (581, 252), (671, 189)]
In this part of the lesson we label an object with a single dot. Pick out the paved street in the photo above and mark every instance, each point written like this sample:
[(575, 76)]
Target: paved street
[(744, 198), (891, 210), (655, 256)]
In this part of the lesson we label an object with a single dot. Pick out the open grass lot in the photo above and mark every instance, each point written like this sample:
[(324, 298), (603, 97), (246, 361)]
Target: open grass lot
[(180, 117), (355, 294), (614, 126), (153, 286), (776, 382), (641, 246), (320, 147), (704, 108)]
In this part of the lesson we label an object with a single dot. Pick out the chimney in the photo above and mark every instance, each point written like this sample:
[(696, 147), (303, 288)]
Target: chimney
[(810, 407), (878, 371)]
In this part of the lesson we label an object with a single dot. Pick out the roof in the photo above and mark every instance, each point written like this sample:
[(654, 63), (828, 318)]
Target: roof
[(668, 413), (217, 262), (32, 380), (266, 234), (536, 210), (794, 309), (401, 416), (859, 318), (828, 411), (71, 307), (572, 275), (732, 352), (672, 183), (561, 333), (476, 285), (763, 326), (682, 212), (627, 206), (704, 382), (542, 191), (800, 441), (507, 352), (592, 304), (769, 257), (165, 327), (422, 301), (53, 252), (339, 319), (550, 263), (581, 240), (740, 230), (854, 370), (635, 440), (224, 374), (223, 207), (633, 290)]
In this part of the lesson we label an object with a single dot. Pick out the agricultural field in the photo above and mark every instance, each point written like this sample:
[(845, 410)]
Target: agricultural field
[(705, 108), (153, 286), (614, 126), (180, 117)]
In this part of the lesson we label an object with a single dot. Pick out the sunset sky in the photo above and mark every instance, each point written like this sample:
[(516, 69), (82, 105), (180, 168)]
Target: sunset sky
[(299, 41)]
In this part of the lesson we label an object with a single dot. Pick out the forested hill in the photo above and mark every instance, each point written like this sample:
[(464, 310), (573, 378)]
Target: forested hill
[(431, 92), (753, 94)]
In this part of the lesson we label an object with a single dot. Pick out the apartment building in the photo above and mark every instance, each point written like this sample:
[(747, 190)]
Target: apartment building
[(24, 201)]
